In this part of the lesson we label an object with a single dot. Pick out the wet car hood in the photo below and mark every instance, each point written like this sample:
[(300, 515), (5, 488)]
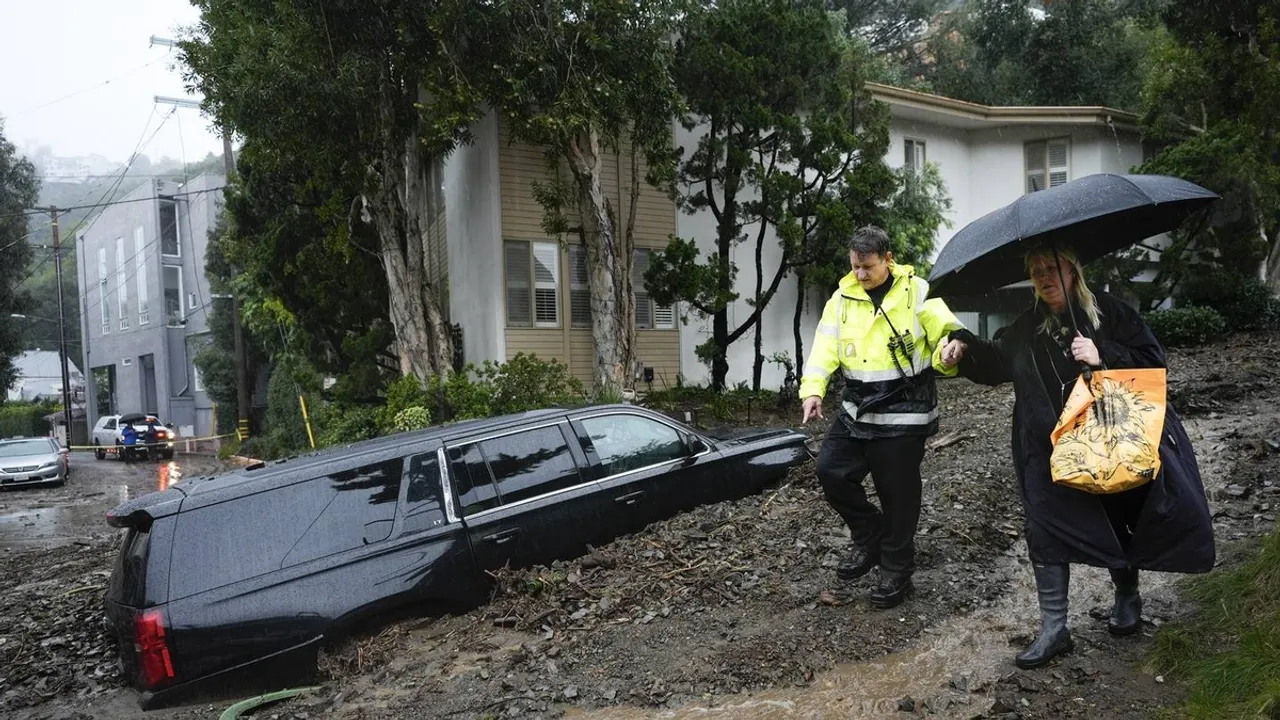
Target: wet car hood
[(17, 461)]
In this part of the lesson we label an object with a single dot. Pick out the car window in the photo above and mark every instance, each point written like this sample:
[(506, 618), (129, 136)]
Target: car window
[(243, 538), (111, 425), (424, 507), (360, 512), (473, 483), (531, 463), (629, 442)]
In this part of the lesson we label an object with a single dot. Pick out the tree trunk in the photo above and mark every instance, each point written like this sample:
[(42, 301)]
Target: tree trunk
[(399, 209), (795, 323), (757, 367), (726, 234), (608, 272)]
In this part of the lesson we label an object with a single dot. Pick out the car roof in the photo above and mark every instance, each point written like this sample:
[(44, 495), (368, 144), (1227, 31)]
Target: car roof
[(263, 476)]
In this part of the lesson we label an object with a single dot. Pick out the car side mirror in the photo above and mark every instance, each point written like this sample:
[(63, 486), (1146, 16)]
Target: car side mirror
[(696, 446)]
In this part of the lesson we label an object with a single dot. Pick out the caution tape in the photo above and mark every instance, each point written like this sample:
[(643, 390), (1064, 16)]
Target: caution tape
[(177, 442)]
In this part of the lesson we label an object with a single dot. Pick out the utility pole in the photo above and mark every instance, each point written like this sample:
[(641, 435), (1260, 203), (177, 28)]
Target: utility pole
[(62, 329)]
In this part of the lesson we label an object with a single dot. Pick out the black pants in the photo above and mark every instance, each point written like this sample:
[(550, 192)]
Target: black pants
[(894, 466)]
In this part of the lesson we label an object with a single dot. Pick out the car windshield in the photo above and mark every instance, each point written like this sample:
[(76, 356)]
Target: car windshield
[(16, 448)]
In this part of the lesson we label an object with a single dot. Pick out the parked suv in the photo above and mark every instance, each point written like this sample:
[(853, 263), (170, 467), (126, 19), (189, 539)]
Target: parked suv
[(237, 580), (107, 434)]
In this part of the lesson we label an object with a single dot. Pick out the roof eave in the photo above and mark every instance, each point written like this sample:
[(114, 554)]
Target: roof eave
[(1029, 115)]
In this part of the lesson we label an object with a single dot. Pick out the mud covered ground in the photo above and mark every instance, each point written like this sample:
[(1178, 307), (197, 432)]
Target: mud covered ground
[(733, 610)]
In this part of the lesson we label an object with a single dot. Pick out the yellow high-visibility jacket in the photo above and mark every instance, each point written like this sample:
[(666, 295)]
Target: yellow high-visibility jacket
[(889, 384)]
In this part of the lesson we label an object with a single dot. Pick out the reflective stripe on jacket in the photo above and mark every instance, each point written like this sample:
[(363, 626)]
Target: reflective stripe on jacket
[(889, 386)]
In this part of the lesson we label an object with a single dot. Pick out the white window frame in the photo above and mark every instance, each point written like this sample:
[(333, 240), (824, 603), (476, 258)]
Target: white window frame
[(177, 230), (181, 312), (657, 317), (103, 293), (550, 251), (1038, 167), (915, 154), (578, 286), (197, 382), (122, 283), (140, 276)]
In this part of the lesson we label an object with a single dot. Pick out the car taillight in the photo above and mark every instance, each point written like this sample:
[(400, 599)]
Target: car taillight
[(152, 648)]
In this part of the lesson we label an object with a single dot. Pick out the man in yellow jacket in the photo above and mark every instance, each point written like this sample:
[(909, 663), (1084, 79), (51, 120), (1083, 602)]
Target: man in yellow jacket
[(890, 342)]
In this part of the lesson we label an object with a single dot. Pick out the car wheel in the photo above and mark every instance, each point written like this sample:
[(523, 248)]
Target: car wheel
[(98, 452), (167, 455)]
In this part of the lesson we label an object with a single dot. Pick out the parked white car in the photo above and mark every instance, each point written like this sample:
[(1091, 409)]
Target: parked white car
[(107, 434)]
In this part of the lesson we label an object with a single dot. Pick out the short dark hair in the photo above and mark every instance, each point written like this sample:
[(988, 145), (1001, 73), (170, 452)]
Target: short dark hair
[(870, 240)]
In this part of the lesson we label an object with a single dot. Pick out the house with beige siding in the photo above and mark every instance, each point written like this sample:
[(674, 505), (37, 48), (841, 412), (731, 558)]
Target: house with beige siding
[(513, 288)]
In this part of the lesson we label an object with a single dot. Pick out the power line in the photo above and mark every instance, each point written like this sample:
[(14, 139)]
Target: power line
[(119, 202), (91, 87)]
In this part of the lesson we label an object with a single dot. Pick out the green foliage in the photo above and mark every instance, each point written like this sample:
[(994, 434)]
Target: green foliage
[(291, 376), (413, 418), (914, 215), (1244, 303), (528, 383), (27, 419), (1186, 326), (19, 189), (344, 425), (1227, 651), (1210, 102), (403, 394)]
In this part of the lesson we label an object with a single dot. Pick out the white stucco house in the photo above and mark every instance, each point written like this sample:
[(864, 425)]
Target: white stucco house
[(40, 378), (987, 156), (486, 231)]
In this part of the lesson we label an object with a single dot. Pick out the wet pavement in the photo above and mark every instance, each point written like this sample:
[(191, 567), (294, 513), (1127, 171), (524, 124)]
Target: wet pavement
[(45, 517)]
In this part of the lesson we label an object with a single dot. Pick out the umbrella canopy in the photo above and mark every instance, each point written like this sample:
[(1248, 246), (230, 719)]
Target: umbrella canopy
[(1095, 215)]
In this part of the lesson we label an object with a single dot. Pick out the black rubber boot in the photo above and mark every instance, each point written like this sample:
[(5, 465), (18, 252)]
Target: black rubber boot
[(892, 589), (1126, 614), (1054, 639), (858, 563)]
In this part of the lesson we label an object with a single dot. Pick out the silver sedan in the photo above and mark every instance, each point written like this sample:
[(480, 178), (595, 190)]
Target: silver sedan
[(32, 461)]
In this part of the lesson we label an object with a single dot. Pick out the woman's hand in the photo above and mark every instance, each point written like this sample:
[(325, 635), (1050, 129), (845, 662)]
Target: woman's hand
[(1083, 350), (953, 352)]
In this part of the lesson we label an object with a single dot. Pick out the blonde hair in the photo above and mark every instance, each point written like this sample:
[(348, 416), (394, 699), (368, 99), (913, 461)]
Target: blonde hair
[(1084, 297)]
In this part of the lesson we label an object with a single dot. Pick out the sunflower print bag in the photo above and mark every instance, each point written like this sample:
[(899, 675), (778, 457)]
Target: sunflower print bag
[(1107, 439)]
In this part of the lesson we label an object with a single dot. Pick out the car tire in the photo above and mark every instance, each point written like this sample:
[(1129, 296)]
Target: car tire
[(98, 452), (166, 455)]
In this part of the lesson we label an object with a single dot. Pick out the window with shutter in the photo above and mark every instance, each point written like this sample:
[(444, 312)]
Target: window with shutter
[(915, 155), (644, 306), (579, 292), (546, 284), (1059, 162), (519, 292), (649, 316), (1048, 163)]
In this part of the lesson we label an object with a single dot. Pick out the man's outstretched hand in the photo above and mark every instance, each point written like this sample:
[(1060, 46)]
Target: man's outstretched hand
[(812, 408)]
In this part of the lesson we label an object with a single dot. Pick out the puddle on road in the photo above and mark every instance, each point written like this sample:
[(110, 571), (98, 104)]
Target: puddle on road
[(43, 527)]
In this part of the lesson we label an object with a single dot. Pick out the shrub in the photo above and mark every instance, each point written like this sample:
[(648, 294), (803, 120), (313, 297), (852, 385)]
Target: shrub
[(528, 383), (413, 418), (1243, 302), (1186, 326), (344, 425), (24, 418)]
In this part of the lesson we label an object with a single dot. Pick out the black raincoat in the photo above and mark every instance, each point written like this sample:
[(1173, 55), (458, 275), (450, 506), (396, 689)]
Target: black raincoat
[(1065, 525)]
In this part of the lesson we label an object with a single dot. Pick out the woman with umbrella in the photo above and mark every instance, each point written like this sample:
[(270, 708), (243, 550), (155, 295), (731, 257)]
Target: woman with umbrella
[(1163, 525)]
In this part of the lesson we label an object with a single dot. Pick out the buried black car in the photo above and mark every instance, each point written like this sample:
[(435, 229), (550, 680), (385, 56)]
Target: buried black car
[(237, 580)]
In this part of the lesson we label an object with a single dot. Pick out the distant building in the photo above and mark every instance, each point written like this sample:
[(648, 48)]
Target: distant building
[(145, 302), (40, 378)]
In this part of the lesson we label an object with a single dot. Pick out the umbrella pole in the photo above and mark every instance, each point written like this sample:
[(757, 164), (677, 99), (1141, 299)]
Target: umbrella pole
[(1085, 370)]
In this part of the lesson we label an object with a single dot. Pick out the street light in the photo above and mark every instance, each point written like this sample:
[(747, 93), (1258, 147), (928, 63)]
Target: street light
[(20, 316)]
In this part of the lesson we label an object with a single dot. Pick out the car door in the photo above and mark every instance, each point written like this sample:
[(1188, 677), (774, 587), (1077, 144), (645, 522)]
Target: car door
[(106, 432), (524, 498), (644, 467)]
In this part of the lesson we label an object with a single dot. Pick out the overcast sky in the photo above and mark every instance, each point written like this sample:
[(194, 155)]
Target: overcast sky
[(97, 52)]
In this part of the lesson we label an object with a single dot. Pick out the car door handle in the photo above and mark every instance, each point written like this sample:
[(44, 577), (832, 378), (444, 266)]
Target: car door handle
[(630, 498), (499, 538)]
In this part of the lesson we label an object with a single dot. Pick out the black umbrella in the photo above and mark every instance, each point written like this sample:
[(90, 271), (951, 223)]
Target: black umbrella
[(1094, 215)]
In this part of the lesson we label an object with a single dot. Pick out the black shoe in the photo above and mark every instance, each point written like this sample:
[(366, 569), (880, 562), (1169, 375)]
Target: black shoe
[(1054, 639), (859, 563), (891, 591), (1126, 614)]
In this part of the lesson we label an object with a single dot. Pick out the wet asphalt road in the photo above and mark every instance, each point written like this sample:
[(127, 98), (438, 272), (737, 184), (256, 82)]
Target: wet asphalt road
[(39, 517)]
